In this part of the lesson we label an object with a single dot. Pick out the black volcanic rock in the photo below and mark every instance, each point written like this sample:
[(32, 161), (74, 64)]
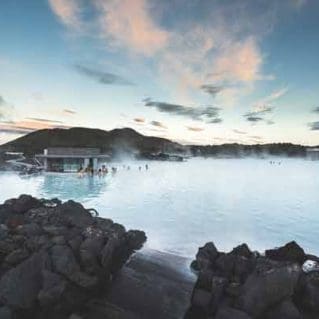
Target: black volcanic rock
[(243, 284), (290, 252), (55, 257)]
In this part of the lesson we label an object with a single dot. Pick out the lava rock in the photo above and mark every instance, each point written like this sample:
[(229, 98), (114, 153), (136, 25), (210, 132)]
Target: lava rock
[(206, 256), (263, 291), (19, 287), (290, 252), (286, 309), (231, 313)]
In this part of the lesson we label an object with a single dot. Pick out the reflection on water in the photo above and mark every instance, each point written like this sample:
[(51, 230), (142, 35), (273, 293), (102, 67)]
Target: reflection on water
[(183, 205)]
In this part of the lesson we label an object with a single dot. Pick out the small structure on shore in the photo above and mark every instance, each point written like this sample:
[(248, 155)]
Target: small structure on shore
[(71, 159), (313, 153)]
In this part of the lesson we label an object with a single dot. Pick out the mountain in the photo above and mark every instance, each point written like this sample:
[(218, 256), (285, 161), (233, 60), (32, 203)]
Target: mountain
[(118, 140)]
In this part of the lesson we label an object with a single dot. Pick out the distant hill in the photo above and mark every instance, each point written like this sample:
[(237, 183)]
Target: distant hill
[(127, 140), (241, 150), (115, 141)]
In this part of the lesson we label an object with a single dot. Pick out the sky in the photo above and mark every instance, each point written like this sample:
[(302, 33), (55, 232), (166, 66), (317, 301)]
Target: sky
[(195, 71)]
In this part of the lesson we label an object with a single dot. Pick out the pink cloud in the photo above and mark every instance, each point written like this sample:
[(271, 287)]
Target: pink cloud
[(241, 61), (68, 11), (128, 23)]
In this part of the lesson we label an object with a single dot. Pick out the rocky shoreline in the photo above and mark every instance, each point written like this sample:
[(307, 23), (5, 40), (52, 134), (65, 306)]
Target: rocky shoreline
[(57, 258), (282, 283), (60, 260)]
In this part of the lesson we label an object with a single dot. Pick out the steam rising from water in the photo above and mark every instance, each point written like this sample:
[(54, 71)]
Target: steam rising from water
[(183, 205)]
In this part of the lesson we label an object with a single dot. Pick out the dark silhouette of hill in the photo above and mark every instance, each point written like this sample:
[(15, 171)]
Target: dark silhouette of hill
[(127, 140), (118, 140)]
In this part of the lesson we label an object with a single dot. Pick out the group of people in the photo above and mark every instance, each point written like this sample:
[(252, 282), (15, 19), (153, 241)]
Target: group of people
[(103, 170)]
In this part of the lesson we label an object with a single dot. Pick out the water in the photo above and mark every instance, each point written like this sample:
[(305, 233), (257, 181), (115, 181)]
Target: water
[(183, 205)]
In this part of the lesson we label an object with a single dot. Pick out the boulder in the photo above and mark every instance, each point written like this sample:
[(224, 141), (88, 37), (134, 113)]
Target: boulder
[(64, 263), (3, 231), (135, 239), (5, 313), (231, 313), (243, 251), (206, 256), (23, 203), (286, 309), (19, 287), (263, 290), (307, 294), (225, 264), (17, 256), (52, 289), (291, 252), (74, 214)]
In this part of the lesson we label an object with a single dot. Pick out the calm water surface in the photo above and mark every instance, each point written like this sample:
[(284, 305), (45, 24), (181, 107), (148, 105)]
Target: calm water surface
[(183, 205)]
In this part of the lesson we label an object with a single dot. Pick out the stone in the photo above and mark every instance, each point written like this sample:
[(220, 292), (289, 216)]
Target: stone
[(231, 313), (19, 287), (243, 251), (201, 298), (225, 264), (17, 256), (23, 203), (307, 293), (291, 252), (64, 263), (206, 256), (262, 291), (135, 239), (3, 231), (74, 214), (52, 289), (5, 313), (286, 309)]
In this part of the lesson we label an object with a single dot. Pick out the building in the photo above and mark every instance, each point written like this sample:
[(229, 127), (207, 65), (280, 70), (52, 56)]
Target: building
[(71, 159), (313, 153)]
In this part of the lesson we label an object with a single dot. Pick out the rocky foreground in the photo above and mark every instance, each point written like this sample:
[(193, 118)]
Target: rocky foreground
[(56, 258), (283, 283)]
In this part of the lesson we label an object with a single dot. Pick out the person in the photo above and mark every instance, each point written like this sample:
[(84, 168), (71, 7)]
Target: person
[(114, 170), (139, 168), (146, 166)]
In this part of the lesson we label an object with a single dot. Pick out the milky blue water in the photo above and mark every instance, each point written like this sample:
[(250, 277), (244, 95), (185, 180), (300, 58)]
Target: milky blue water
[(183, 205)]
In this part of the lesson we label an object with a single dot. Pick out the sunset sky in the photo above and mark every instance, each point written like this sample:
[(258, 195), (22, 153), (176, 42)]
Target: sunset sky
[(195, 71)]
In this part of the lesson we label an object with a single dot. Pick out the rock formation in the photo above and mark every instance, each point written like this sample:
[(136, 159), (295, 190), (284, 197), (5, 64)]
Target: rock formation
[(56, 257), (243, 284)]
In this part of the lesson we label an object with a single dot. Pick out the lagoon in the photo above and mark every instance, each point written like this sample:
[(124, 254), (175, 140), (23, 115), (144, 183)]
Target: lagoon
[(181, 206)]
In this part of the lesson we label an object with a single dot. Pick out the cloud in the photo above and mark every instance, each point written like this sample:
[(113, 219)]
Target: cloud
[(263, 104), (211, 89), (44, 120), (314, 126), (241, 61), (139, 120), (5, 109), (15, 130), (68, 11), (101, 76), (316, 110), (158, 124), (253, 118), (207, 114), (195, 129), (69, 112), (239, 131), (128, 23)]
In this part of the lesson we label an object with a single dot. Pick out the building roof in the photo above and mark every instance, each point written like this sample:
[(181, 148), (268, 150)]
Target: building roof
[(72, 156)]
